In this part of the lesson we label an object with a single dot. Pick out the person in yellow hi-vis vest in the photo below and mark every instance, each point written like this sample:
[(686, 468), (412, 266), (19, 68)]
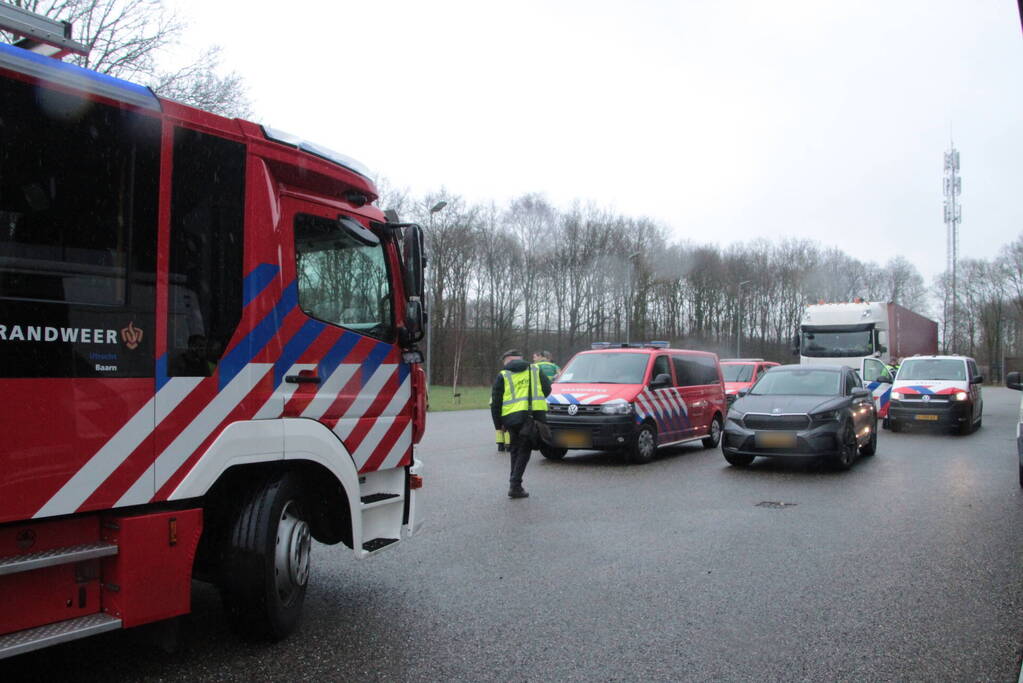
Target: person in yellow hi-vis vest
[(510, 399)]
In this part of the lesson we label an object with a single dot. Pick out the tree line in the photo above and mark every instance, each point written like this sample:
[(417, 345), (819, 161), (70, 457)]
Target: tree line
[(530, 275)]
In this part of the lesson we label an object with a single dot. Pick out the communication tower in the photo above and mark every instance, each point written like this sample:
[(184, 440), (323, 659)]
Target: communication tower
[(953, 216)]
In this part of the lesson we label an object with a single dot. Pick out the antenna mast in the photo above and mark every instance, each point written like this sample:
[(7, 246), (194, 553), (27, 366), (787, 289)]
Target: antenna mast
[(953, 216)]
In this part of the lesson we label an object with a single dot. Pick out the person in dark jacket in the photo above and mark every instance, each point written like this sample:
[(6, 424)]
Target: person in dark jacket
[(519, 387)]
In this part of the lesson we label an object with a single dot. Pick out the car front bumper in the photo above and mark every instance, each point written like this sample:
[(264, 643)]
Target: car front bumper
[(947, 414), (592, 432), (823, 439)]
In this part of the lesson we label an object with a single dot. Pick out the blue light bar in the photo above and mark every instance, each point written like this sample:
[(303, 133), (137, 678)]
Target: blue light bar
[(75, 77), (318, 150), (658, 344), (600, 345)]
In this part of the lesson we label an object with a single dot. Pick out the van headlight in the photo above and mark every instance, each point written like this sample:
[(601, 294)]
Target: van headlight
[(961, 396), (896, 396), (617, 408)]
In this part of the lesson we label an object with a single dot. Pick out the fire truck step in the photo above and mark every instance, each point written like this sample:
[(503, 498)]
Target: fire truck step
[(61, 632), (375, 499), (49, 558), (377, 544)]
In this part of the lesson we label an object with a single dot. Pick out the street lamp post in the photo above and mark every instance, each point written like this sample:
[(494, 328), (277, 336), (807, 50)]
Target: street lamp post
[(629, 310), (738, 335), (429, 315)]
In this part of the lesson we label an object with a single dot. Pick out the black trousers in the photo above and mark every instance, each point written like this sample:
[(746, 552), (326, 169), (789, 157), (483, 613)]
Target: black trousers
[(520, 451)]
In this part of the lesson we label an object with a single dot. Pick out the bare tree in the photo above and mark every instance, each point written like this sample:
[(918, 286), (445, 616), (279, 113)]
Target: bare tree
[(126, 38)]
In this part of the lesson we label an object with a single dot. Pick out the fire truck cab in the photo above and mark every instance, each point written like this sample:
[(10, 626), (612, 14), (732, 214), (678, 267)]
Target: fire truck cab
[(207, 359)]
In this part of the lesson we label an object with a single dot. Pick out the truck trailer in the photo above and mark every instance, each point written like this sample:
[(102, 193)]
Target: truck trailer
[(866, 336)]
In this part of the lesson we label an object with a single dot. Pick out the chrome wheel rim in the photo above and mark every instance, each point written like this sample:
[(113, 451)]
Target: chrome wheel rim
[(291, 554), (715, 431)]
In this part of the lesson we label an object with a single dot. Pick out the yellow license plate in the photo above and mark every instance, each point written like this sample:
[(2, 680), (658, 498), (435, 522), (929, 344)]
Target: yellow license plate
[(929, 418), (776, 440), (572, 438)]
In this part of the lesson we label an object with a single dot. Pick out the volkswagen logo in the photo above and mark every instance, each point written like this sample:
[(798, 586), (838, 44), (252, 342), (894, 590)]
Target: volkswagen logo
[(925, 397), (573, 409)]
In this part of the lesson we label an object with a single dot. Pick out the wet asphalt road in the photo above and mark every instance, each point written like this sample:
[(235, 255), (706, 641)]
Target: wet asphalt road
[(907, 567)]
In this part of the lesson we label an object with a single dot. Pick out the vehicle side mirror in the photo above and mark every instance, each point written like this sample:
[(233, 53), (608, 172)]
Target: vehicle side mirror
[(415, 323), (1012, 381), (414, 259), (882, 348), (977, 379), (741, 392), (795, 345), (860, 392), (662, 380)]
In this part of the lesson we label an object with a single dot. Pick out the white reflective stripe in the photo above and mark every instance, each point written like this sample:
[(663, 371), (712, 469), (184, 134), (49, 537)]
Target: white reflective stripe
[(346, 426), (369, 392), (662, 403), (372, 440), (190, 438), (328, 391), (400, 447), (173, 393), (107, 459), (648, 407), (274, 406), (393, 408), (672, 401), (141, 491)]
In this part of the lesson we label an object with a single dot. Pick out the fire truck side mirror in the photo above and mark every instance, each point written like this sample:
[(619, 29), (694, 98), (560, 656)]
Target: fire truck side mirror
[(415, 261)]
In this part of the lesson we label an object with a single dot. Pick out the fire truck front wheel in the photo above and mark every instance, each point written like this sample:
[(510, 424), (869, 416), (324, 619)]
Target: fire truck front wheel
[(266, 561)]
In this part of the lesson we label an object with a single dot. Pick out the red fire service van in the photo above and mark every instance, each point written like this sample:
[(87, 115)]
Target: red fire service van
[(207, 359), (635, 398), (742, 373)]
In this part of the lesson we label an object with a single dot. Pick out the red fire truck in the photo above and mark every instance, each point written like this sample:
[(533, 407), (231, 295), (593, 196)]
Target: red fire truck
[(207, 357)]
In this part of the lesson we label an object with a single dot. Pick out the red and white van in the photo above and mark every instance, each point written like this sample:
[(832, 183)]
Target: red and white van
[(635, 398), (939, 391), (742, 373)]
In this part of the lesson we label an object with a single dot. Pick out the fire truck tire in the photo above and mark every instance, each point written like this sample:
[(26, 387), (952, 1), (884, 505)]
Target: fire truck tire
[(266, 560), (644, 445)]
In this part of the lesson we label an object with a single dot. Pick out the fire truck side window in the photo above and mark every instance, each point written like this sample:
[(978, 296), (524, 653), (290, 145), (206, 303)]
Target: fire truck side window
[(207, 212), (341, 280), (78, 204)]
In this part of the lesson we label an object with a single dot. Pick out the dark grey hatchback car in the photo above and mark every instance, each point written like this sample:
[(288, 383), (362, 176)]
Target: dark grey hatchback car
[(802, 410)]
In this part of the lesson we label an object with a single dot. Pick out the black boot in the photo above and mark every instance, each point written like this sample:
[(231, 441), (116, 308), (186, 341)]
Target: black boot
[(517, 492)]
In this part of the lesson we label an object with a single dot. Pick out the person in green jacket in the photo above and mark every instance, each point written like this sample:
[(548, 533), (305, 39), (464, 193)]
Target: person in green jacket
[(546, 365)]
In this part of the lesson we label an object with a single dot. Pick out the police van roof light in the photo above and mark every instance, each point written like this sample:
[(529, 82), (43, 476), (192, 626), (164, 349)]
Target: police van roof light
[(600, 345), (658, 344)]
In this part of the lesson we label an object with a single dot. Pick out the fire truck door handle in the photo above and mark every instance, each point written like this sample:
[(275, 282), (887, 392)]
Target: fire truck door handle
[(302, 379)]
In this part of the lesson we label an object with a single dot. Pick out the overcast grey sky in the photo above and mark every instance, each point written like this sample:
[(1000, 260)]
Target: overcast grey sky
[(725, 120)]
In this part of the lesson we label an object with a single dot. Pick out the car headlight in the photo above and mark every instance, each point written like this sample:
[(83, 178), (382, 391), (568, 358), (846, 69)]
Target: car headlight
[(617, 408), (896, 396), (961, 396), (826, 416)]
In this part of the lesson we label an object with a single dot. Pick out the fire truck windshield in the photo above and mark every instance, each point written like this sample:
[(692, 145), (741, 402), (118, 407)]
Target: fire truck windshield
[(823, 344), (606, 368)]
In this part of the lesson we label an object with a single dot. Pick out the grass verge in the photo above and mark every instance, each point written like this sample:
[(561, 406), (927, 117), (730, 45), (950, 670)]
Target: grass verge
[(470, 398)]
